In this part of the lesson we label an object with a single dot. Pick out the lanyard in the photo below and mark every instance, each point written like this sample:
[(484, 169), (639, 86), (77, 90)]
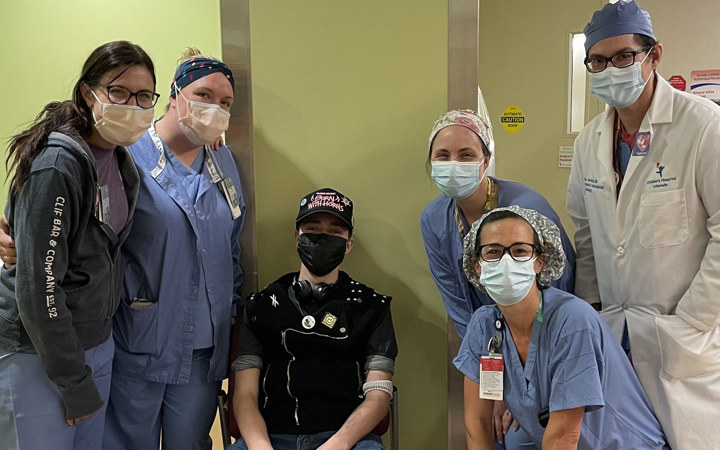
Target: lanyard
[(616, 155), (216, 175), (490, 204), (211, 163), (495, 343), (158, 145), (213, 166)]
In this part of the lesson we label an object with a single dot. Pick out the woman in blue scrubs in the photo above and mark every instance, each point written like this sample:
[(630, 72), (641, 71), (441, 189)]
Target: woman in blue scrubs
[(182, 278), (182, 274), (459, 155), (564, 377)]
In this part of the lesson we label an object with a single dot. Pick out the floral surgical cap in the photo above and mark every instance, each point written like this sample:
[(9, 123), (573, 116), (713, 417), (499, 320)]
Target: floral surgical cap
[(465, 118), (546, 230)]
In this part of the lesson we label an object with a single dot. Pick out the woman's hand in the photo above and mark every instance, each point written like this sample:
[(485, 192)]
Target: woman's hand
[(502, 420), (218, 143), (7, 245)]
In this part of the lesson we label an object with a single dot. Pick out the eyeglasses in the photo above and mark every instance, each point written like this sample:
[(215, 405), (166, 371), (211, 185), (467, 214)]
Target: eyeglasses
[(597, 64), (519, 251), (120, 95)]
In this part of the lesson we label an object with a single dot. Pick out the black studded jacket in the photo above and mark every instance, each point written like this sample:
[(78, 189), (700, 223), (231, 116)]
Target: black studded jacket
[(315, 352)]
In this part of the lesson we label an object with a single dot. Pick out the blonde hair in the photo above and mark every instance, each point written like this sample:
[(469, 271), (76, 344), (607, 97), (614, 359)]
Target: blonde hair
[(193, 52), (186, 55)]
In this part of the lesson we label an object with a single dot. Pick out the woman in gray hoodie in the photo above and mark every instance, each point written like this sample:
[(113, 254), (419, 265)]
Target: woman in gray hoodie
[(70, 208)]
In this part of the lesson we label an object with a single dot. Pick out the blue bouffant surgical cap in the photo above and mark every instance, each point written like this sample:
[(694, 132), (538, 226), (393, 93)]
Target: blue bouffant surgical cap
[(616, 19)]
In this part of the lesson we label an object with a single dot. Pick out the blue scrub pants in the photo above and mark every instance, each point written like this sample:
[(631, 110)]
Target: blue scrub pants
[(140, 411), (311, 442), (516, 440), (32, 413)]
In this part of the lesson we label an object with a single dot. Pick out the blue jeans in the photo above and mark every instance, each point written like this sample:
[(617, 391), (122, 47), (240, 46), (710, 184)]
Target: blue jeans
[(311, 442)]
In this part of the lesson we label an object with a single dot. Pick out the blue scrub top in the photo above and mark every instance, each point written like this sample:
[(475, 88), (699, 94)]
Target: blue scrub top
[(573, 361), (192, 183), (444, 248), (182, 255)]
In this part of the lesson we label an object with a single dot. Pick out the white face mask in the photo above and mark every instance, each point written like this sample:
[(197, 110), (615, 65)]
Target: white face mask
[(121, 124), (456, 179), (507, 281), (619, 87), (203, 122)]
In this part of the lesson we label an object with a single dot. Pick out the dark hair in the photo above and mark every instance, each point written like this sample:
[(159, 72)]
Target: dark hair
[(498, 216), (485, 149), (341, 222), (645, 41), (71, 116)]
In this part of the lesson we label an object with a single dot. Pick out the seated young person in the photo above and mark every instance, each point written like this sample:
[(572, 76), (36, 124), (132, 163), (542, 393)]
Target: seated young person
[(316, 348), (545, 352)]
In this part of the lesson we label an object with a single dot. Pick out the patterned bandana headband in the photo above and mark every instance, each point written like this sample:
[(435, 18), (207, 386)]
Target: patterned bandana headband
[(465, 118), (195, 68)]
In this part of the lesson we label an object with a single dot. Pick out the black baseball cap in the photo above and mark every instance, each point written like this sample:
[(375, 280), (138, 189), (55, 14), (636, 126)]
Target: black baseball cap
[(329, 201)]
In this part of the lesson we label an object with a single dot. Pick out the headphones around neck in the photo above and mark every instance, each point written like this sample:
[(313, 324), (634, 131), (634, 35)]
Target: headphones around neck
[(305, 292)]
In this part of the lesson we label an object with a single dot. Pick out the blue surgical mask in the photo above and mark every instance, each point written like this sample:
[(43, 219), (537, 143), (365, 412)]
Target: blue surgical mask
[(507, 281), (619, 87), (456, 179)]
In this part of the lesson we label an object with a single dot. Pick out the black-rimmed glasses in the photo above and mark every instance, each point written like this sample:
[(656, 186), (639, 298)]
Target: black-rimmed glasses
[(120, 95), (519, 251), (597, 64)]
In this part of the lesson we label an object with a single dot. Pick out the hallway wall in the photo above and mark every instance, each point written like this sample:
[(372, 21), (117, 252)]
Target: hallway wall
[(344, 95)]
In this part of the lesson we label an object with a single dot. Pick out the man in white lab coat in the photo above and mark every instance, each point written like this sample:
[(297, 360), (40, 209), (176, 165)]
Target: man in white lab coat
[(644, 196)]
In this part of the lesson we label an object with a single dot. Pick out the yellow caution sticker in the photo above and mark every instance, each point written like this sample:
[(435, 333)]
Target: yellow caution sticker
[(512, 119)]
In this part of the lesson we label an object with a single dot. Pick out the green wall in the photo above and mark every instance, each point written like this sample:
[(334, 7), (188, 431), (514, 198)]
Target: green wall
[(344, 95), (46, 42), (530, 70)]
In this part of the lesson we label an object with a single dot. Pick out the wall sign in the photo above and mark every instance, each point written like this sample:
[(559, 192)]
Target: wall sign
[(678, 82), (565, 156), (512, 119), (706, 83)]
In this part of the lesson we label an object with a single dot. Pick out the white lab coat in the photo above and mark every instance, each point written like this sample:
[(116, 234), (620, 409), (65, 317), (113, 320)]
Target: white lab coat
[(652, 257)]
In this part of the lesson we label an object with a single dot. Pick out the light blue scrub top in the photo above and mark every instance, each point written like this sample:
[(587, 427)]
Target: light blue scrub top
[(444, 248), (192, 182), (573, 361), (182, 255)]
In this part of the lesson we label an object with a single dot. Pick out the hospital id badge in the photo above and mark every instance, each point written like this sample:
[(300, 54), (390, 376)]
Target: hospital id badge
[(102, 204), (231, 196), (491, 377)]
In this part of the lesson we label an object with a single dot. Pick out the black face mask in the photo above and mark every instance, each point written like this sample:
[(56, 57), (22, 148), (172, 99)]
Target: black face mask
[(321, 253)]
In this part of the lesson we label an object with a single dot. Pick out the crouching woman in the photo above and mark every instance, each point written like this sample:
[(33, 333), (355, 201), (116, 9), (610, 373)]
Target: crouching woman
[(545, 352)]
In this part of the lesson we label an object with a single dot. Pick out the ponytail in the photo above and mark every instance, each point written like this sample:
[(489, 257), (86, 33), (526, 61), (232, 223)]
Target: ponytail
[(63, 117)]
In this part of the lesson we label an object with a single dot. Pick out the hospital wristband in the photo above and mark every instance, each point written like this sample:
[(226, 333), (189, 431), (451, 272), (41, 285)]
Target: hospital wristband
[(382, 385)]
